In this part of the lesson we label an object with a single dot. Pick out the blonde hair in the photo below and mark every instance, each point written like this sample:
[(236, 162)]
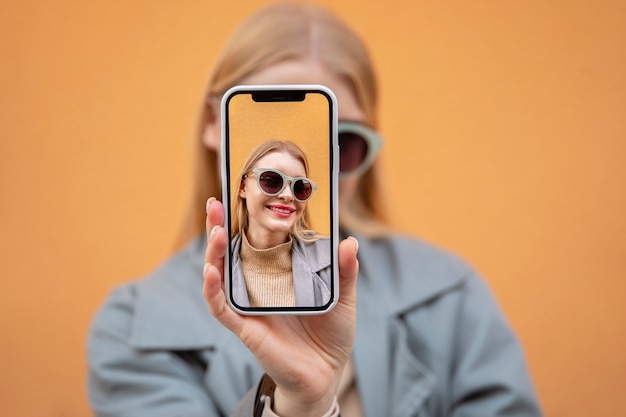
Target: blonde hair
[(301, 230), (275, 34)]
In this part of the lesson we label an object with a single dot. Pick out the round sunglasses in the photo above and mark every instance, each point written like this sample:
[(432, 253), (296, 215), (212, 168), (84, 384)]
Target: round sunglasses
[(272, 182), (358, 146)]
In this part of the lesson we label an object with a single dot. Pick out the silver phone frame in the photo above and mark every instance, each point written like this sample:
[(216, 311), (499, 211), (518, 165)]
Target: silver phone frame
[(225, 178)]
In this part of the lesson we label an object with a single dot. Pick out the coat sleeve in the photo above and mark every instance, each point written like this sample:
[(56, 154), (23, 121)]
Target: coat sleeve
[(490, 375), (126, 382), (246, 406)]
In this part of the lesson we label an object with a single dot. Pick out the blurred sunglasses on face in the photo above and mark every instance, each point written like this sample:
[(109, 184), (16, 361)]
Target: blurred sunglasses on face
[(272, 182), (358, 146)]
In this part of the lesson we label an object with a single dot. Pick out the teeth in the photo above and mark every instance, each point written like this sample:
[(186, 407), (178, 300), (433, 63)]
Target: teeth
[(280, 210)]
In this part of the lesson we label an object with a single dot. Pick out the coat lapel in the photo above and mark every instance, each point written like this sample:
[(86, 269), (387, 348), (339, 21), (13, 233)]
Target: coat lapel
[(308, 259), (411, 382), (370, 356), (383, 359)]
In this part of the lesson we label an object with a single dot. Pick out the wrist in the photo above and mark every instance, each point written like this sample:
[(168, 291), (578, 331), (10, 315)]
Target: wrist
[(287, 404)]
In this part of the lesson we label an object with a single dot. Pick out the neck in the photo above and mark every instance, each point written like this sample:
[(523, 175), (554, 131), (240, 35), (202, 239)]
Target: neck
[(266, 240)]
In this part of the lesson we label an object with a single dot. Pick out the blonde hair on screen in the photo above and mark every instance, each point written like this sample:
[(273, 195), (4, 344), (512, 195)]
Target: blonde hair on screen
[(301, 230)]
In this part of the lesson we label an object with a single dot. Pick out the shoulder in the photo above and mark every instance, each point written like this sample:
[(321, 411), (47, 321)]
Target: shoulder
[(320, 245), (410, 253), (412, 272), (409, 271), (316, 253), (406, 257), (165, 309)]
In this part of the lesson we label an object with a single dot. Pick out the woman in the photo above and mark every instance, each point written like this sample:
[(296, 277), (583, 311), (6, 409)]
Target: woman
[(430, 339), (278, 260)]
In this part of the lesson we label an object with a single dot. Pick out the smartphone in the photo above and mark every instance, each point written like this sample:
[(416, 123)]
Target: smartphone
[(279, 170)]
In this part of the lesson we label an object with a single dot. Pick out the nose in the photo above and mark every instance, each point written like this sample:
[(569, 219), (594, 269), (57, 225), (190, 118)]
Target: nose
[(286, 193)]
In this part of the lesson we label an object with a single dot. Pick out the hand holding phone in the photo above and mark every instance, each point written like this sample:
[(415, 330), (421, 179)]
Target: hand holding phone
[(304, 355)]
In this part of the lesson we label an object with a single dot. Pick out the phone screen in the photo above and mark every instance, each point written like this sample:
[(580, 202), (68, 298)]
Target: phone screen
[(279, 172)]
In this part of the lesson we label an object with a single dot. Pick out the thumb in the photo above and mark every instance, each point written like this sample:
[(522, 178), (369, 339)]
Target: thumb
[(348, 269)]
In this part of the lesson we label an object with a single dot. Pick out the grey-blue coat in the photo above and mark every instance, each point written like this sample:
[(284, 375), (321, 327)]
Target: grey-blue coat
[(430, 341), (310, 266)]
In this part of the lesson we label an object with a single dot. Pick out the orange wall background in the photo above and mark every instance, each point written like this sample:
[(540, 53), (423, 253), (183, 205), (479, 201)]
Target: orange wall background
[(505, 137)]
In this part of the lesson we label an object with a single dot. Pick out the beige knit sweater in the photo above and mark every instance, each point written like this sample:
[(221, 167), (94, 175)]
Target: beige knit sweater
[(268, 275)]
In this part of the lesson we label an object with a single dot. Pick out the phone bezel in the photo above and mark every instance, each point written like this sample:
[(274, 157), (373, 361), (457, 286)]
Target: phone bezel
[(273, 92)]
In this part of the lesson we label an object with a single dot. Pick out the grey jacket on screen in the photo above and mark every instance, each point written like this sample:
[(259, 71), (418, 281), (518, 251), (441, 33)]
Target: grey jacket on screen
[(310, 266), (430, 341)]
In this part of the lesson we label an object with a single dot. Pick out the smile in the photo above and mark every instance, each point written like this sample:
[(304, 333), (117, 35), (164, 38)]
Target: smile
[(281, 209)]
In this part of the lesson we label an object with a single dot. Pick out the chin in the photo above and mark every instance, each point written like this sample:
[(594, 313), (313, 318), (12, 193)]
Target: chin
[(281, 228)]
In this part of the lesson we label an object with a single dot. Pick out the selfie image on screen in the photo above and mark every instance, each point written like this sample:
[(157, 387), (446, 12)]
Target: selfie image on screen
[(280, 203)]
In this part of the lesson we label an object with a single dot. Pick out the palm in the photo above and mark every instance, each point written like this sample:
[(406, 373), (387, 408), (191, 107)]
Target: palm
[(310, 344)]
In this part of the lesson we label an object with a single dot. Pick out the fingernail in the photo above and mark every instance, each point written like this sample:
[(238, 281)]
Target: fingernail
[(208, 203), (213, 232), (356, 242), (206, 268)]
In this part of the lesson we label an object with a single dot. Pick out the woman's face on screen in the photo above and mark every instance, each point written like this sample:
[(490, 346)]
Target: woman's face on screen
[(271, 218)]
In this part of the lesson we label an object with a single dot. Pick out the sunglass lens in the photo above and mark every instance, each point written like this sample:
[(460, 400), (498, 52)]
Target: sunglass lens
[(270, 182), (352, 151), (302, 190)]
